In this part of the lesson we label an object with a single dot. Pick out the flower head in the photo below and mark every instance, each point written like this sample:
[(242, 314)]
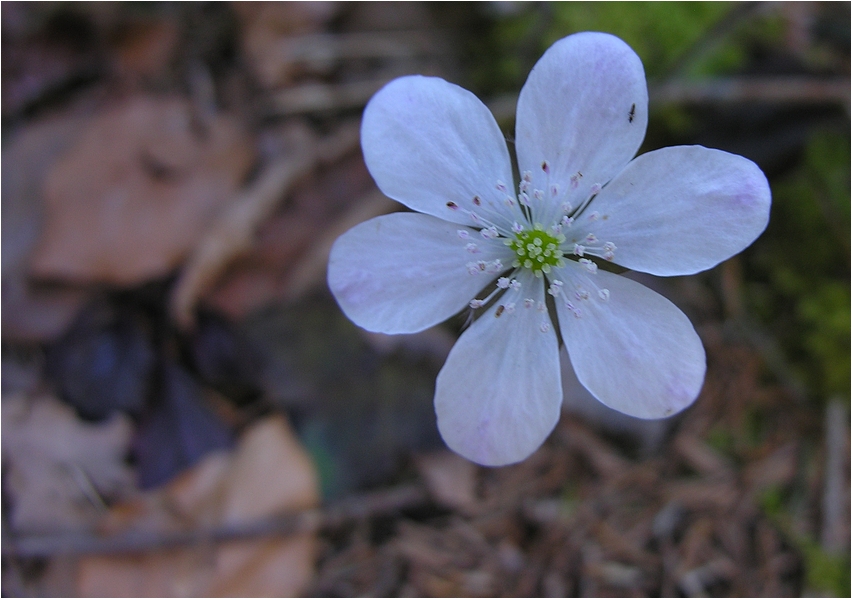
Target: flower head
[(508, 252)]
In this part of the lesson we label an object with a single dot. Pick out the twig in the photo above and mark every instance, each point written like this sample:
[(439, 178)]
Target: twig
[(789, 90), (835, 498), (234, 233), (328, 47), (324, 97), (359, 507)]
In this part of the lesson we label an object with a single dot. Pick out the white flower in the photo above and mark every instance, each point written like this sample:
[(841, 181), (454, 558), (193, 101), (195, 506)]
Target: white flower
[(582, 200)]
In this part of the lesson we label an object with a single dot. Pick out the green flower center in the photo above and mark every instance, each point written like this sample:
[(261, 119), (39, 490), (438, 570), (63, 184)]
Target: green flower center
[(537, 250)]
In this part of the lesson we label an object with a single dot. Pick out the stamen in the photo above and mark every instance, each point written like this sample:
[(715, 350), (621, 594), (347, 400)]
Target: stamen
[(589, 265), (575, 179), (471, 247), (555, 288), (463, 234), (490, 232)]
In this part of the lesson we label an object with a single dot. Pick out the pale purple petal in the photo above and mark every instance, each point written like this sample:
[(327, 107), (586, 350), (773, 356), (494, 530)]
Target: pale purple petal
[(681, 210), (631, 347), (584, 110), (498, 396), (405, 272), (428, 143)]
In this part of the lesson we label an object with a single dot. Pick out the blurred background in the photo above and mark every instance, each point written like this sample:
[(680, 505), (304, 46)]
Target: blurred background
[(186, 412)]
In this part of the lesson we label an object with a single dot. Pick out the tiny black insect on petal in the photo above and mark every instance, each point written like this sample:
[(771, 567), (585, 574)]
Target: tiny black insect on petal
[(632, 113)]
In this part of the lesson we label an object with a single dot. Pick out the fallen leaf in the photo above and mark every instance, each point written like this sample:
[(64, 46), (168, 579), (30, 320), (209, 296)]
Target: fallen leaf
[(60, 469), (268, 474), (30, 313), (138, 190)]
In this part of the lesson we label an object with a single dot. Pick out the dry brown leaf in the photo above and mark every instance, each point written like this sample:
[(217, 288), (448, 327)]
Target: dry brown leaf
[(138, 190), (31, 314), (268, 474), (60, 467)]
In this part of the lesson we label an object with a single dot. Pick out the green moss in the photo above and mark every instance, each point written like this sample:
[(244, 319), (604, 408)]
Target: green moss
[(801, 266), (660, 32), (826, 572)]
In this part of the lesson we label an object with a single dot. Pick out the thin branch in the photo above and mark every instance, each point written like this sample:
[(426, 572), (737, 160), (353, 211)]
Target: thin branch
[(358, 507), (789, 90)]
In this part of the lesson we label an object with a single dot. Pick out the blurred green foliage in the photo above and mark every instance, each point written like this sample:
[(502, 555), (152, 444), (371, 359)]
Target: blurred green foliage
[(825, 573), (659, 32), (800, 278), (666, 35)]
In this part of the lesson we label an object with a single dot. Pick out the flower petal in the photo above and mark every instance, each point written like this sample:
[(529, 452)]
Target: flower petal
[(428, 142), (631, 347), (405, 272), (498, 396), (681, 210), (583, 109)]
